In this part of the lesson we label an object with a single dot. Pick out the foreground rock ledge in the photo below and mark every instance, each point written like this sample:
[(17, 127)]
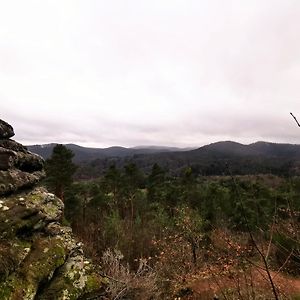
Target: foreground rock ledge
[(39, 257)]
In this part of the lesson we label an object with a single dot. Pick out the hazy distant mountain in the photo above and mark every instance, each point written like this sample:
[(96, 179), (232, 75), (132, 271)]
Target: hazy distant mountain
[(229, 149), (213, 159), (229, 157), (84, 154), (162, 148)]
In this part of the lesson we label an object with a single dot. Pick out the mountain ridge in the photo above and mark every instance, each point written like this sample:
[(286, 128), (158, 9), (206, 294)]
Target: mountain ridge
[(88, 153), (213, 159), (221, 147)]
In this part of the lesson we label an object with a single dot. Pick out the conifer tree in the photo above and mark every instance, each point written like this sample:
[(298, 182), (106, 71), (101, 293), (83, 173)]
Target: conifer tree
[(60, 170)]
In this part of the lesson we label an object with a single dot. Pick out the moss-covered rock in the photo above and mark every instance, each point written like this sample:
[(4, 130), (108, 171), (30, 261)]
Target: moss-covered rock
[(39, 258), (74, 279), (38, 266), (28, 211)]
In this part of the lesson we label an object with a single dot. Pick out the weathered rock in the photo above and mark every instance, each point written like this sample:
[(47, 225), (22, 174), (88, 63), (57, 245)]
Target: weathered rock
[(25, 161), (13, 180), (6, 130), (39, 258), (48, 268), (12, 145), (28, 162), (76, 275), (28, 212), (6, 158), (43, 257)]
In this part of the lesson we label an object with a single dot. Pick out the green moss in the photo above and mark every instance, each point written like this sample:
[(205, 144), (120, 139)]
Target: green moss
[(94, 282), (60, 288), (26, 265), (22, 244), (34, 198), (46, 256), (65, 222), (5, 291), (12, 288), (12, 253), (72, 282)]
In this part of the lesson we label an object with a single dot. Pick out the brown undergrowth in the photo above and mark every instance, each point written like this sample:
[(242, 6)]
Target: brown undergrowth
[(228, 266), (231, 269)]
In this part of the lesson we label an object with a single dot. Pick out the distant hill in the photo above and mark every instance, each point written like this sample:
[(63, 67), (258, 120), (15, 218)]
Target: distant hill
[(219, 158), (229, 149), (223, 157), (85, 154)]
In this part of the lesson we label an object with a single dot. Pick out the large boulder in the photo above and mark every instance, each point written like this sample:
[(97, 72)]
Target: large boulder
[(6, 130), (24, 161)]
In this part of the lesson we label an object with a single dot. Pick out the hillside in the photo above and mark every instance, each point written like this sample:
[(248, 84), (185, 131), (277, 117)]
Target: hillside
[(214, 159), (226, 157), (219, 158), (84, 154)]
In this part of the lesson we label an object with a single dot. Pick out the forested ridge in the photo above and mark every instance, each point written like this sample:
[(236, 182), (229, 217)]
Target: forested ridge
[(213, 159), (166, 235)]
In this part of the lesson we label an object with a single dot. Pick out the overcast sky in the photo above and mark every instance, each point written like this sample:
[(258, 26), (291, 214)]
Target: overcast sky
[(150, 72)]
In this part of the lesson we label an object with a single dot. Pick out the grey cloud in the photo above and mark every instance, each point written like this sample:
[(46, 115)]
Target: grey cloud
[(150, 72)]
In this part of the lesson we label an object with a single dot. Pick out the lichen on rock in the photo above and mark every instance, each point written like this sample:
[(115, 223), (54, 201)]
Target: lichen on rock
[(39, 258)]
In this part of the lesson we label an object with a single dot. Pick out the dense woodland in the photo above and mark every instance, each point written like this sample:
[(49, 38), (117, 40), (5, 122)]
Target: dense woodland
[(215, 159), (160, 235)]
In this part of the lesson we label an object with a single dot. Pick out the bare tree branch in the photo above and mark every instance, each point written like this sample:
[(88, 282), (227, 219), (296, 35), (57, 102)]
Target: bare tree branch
[(295, 119)]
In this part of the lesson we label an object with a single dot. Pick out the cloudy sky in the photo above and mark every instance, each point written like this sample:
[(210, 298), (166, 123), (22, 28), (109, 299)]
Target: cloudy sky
[(150, 72)]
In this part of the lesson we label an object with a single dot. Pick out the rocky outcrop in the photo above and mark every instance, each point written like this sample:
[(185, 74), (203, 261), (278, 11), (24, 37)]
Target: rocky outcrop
[(19, 168), (6, 130), (39, 257)]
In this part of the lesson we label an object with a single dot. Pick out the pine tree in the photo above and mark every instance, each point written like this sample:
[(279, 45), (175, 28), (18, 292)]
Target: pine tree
[(60, 170)]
